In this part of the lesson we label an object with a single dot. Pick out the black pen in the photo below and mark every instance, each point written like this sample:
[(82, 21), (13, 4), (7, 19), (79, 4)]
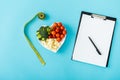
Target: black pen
[(95, 46)]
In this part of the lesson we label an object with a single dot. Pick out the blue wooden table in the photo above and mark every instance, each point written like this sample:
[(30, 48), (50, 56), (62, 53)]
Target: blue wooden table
[(17, 59)]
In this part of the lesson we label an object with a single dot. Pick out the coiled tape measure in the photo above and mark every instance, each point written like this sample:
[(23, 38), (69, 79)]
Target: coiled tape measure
[(41, 16)]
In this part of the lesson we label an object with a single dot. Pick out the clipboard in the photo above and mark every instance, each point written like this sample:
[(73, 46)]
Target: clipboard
[(94, 39)]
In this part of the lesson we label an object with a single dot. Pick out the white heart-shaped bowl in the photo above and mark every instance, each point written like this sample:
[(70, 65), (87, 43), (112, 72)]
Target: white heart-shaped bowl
[(49, 46)]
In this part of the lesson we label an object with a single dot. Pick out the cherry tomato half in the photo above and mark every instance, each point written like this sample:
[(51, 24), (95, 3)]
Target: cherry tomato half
[(53, 32), (61, 36), (64, 32), (57, 35), (59, 24), (57, 30), (53, 27), (58, 39), (55, 24), (62, 27)]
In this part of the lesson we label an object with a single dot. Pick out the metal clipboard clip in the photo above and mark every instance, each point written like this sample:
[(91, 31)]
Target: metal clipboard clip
[(98, 16)]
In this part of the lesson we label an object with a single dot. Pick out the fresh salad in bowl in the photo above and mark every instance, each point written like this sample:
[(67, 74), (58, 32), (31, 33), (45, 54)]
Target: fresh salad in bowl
[(52, 37)]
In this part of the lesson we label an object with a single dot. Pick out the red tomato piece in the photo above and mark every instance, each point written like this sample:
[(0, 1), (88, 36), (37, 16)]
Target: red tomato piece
[(53, 32), (55, 24), (53, 27), (58, 39), (62, 27), (59, 24), (57, 35), (61, 36), (64, 32), (57, 30)]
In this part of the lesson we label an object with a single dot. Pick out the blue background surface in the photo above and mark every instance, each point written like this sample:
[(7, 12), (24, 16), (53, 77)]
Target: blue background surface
[(18, 61)]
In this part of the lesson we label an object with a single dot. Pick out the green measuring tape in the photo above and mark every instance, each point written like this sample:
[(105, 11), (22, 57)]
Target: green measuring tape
[(41, 16)]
